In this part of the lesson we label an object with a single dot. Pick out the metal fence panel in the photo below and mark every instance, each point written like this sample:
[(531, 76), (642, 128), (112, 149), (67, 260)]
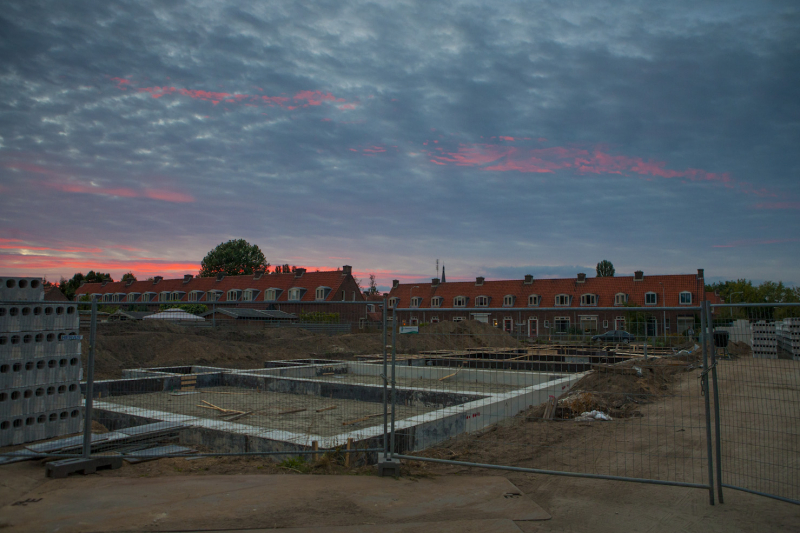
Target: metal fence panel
[(628, 408), (757, 356)]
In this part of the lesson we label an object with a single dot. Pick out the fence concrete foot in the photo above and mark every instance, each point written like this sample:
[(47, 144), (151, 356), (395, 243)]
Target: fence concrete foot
[(388, 467), (65, 467)]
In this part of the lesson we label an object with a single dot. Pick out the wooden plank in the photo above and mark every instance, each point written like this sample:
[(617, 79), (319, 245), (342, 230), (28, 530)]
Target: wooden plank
[(327, 408), (293, 411), (347, 455), (363, 418), (315, 447)]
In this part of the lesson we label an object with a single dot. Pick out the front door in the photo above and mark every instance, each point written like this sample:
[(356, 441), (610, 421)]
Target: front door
[(533, 327), (508, 325)]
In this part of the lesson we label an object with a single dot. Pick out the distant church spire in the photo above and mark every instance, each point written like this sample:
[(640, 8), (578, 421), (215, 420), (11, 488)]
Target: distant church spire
[(443, 277)]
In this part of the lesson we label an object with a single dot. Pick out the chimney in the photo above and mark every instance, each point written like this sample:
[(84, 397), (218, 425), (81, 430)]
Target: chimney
[(581, 277), (157, 279), (434, 282), (298, 273), (220, 276), (83, 282), (105, 282), (478, 281), (528, 279), (258, 273), (347, 270), (129, 282), (187, 278), (638, 276), (395, 283), (699, 273)]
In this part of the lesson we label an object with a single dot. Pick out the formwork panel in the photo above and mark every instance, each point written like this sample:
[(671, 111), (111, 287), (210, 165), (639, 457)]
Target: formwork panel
[(38, 316)]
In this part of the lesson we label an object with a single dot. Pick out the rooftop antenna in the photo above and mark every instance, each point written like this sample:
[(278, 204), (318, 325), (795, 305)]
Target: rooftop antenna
[(437, 268)]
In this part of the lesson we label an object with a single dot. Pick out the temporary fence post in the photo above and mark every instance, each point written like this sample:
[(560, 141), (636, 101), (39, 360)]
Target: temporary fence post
[(394, 362), (704, 387), (214, 315), (718, 440), (385, 385), (87, 411)]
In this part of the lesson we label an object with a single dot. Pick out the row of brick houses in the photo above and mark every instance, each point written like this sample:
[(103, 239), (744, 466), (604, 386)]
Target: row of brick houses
[(556, 306), (295, 292)]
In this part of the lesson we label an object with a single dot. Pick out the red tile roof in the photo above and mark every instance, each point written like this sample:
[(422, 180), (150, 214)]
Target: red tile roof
[(667, 289), (336, 280)]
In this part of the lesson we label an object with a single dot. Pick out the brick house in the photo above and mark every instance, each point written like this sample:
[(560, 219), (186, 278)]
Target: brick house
[(291, 292), (555, 306)]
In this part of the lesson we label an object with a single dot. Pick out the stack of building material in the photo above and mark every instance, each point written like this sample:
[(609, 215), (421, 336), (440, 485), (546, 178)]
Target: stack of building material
[(765, 342), (40, 364), (787, 332)]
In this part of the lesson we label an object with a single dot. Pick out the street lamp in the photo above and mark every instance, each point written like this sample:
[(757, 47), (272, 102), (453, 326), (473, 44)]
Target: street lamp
[(730, 299), (664, 317), (410, 291)]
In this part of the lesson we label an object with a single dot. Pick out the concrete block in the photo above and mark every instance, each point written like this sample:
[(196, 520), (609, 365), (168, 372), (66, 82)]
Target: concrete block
[(388, 467), (37, 426), (24, 344), (65, 467), (40, 398), (13, 288), (18, 373)]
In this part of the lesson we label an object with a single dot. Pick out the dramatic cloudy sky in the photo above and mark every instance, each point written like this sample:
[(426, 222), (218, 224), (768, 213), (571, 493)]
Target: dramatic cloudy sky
[(503, 138)]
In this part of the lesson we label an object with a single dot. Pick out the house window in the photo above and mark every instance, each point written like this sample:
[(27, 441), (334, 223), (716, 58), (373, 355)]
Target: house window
[(685, 323), (459, 301), (295, 294), (562, 299), (589, 299), (666, 324), (650, 298), (322, 293), (132, 296), (686, 298), (270, 295), (458, 319), (620, 298), (588, 324), (414, 321), (480, 301), (416, 301), (213, 296), (176, 296), (108, 297), (561, 324), (605, 324), (250, 295), (148, 297), (195, 296), (619, 323), (233, 295), (434, 320), (436, 301), (508, 300), (164, 296), (362, 323), (534, 299), (393, 302)]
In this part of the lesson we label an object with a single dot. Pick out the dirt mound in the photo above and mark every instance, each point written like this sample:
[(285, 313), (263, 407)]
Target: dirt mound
[(456, 336)]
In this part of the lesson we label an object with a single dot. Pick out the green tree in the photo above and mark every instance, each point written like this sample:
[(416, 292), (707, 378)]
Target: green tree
[(768, 292), (69, 286), (128, 276), (195, 309), (233, 258), (605, 269)]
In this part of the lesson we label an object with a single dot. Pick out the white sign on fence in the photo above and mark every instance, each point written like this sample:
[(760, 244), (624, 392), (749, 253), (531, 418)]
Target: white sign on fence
[(409, 329)]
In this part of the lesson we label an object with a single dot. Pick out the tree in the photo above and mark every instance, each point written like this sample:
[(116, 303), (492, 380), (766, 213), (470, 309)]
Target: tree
[(605, 269), (69, 286), (233, 258), (128, 277), (373, 286)]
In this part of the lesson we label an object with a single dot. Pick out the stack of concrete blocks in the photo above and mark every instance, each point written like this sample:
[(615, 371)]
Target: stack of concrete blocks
[(765, 341), (40, 364), (787, 332)]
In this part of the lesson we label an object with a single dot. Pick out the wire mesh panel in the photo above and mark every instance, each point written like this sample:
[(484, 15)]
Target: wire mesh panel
[(624, 401), (757, 351)]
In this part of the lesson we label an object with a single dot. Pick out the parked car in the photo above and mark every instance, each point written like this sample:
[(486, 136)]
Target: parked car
[(614, 335)]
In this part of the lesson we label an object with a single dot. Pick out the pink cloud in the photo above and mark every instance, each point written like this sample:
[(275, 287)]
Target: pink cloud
[(168, 196)]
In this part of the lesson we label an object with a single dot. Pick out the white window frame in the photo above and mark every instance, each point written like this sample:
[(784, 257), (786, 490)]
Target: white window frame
[(562, 319), (434, 320), (458, 319), (132, 296), (508, 300), (393, 301), (213, 296), (533, 300), (164, 296), (617, 321), (272, 294), (620, 298), (589, 299), (295, 294), (588, 318), (176, 296), (416, 301), (236, 293), (149, 296), (459, 301), (480, 301), (436, 301), (562, 297), (195, 296), (322, 292), (687, 300), (647, 296), (108, 297)]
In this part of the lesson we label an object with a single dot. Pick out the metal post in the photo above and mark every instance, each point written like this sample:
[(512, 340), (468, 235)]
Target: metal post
[(214, 314), (385, 385), (718, 447), (645, 346), (394, 362), (87, 411), (704, 388)]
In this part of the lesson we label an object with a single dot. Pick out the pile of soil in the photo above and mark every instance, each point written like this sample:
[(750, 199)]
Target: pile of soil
[(154, 343)]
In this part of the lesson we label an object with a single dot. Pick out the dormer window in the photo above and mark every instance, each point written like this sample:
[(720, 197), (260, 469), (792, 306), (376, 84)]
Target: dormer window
[(214, 296), (393, 302), (588, 299), (250, 295), (416, 301), (460, 301), (563, 299), (164, 296), (195, 296), (686, 298), (508, 300), (132, 296), (233, 295), (534, 299), (296, 294), (322, 293), (271, 295), (176, 296), (148, 296), (480, 301), (436, 301), (620, 298), (109, 297), (650, 298)]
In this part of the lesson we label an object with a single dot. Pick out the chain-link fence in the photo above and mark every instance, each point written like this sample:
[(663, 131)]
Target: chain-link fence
[(756, 379), (603, 397)]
